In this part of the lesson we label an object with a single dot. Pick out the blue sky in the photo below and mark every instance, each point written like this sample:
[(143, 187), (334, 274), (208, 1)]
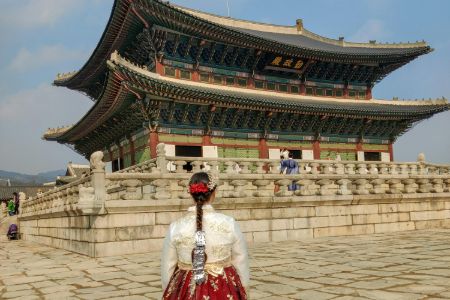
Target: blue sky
[(43, 37)]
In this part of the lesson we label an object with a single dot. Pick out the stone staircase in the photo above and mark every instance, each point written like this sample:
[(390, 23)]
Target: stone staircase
[(4, 225)]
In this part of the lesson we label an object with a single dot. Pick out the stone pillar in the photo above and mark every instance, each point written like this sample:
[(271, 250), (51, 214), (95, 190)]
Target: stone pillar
[(161, 161), (92, 198)]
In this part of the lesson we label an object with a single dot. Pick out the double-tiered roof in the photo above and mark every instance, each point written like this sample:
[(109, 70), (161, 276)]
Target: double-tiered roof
[(122, 76)]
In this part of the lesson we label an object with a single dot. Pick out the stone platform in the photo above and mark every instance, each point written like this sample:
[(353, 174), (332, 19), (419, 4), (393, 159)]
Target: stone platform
[(401, 265)]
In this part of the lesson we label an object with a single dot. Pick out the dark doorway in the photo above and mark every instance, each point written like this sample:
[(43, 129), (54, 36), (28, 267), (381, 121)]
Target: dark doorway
[(296, 154), (372, 156), (188, 151), (115, 165)]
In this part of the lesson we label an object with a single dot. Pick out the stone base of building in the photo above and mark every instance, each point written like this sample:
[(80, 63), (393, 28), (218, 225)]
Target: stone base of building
[(139, 226)]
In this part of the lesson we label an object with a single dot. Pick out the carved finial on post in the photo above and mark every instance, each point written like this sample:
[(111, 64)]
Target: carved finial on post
[(161, 161), (421, 158), (96, 162), (92, 197), (299, 24)]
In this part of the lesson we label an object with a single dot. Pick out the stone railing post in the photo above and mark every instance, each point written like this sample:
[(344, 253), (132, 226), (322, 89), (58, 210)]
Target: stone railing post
[(438, 185), (378, 186), (373, 170), (325, 185), (284, 183), (264, 188), (343, 187), (424, 185), (382, 169), (92, 198), (361, 187), (179, 166), (132, 192), (410, 186), (339, 168), (161, 160), (447, 186), (362, 169), (239, 188), (413, 169), (4, 210), (349, 169), (395, 186)]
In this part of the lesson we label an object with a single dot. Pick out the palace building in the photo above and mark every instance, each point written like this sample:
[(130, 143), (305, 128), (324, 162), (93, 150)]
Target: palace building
[(212, 86)]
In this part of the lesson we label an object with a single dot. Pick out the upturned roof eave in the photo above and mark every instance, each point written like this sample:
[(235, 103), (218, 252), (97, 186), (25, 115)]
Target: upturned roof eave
[(96, 63), (117, 63)]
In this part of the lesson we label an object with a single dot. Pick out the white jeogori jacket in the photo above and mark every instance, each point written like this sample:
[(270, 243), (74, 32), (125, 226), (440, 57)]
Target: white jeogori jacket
[(224, 244)]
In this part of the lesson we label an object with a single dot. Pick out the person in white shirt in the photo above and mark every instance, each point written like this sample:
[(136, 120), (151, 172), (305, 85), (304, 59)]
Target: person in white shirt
[(204, 253)]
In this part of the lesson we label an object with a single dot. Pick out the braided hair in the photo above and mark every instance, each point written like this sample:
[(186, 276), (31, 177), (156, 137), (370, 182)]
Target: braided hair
[(201, 187)]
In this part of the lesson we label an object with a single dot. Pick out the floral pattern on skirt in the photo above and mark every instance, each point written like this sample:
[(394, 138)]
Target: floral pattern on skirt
[(222, 287)]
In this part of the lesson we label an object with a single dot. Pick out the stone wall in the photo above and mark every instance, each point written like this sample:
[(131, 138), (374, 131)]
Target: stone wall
[(140, 226), (129, 212)]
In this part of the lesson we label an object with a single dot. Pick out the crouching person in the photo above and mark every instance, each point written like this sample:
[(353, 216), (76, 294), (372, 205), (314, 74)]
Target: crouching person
[(13, 233)]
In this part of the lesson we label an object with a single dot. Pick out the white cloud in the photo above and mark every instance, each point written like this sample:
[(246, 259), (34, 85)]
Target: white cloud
[(26, 60), (31, 13), (26, 115), (371, 30)]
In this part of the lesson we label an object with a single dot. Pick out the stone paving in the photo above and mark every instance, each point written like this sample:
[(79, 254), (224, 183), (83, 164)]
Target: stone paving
[(407, 265)]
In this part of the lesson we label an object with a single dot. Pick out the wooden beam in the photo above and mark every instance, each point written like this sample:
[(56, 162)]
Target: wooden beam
[(224, 54), (176, 43), (212, 52), (188, 47)]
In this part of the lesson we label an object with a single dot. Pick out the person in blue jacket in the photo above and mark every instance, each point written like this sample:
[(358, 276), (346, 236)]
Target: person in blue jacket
[(290, 165)]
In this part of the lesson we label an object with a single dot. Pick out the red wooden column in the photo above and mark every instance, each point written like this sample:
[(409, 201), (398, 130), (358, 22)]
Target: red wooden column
[(391, 151), (316, 149), (263, 148), (206, 140), (195, 75), (153, 141), (159, 68), (250, 83), (346, 91), (302, 89), (368, 93)]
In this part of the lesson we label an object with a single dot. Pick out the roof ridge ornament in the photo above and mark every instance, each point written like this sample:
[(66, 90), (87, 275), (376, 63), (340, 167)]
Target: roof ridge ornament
[(299, 24)]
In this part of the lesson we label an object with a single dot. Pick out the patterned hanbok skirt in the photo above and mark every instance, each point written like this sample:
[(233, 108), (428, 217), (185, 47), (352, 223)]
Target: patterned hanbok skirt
[(225, 286)]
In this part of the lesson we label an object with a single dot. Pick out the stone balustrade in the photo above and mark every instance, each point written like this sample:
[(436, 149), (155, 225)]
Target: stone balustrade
[(62, 200), (143, 167), (167, 178), (129, 212)]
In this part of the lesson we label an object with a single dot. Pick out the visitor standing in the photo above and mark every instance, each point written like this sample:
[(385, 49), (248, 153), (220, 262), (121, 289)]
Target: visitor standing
[(290, 166), (204, 254), (11, 207), (16, 203)]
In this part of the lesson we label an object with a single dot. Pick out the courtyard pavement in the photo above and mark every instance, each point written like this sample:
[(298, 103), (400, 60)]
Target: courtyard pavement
[(407, 265)]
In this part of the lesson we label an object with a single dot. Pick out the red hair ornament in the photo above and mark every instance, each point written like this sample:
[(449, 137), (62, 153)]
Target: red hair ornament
[(198, 188)]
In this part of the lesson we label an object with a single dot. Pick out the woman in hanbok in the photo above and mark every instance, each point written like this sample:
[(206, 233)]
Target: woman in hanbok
[(204, 255)]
